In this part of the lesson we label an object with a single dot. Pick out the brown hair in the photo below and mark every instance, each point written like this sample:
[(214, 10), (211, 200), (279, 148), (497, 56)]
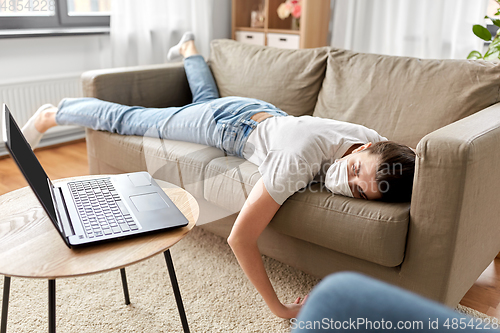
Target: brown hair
[(396, 170)]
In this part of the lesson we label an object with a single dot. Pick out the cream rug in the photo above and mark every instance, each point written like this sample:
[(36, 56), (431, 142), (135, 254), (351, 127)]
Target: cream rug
[(217, 296)]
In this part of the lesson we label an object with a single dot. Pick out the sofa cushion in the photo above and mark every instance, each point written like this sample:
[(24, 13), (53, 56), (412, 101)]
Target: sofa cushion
[(405, 98), (113, 153), (228, 180), (369, 230), (289, 79), (181, 163)]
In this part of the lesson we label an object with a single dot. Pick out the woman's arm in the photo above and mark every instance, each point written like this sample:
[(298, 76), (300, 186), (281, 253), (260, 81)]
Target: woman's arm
[(257, 212)]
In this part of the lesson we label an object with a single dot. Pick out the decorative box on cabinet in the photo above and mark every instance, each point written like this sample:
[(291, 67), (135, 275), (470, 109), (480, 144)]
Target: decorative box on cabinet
[(284, 41), (249, 37), (312, 32)]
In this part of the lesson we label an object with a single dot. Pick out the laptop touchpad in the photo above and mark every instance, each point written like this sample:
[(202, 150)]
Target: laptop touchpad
[(139, 179), (149, 201)]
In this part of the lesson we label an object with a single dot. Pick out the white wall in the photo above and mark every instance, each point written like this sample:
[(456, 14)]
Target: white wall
[(29, 59), (25, 58)]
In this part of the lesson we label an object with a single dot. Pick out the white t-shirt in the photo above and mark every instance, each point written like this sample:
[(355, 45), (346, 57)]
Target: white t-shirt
[(293, 151)]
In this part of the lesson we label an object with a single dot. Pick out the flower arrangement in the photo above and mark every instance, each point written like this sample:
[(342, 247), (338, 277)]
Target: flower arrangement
[(288, 7)]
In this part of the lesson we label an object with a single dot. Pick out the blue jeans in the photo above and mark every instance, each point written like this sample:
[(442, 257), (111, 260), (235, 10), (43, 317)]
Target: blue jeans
[(353, 302), (224, 123)]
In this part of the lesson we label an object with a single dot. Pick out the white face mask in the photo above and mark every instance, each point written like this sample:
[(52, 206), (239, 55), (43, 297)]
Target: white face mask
[(337, 178)]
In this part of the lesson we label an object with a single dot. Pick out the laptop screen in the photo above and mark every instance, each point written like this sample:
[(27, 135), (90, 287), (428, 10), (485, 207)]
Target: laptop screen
[(28, 163)]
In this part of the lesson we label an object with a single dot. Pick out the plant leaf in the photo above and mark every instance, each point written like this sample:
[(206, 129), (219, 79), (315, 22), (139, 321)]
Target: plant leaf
[(494, 20), (495, 42), (495, 55), (493, 52), (474, 55), (481, 32)]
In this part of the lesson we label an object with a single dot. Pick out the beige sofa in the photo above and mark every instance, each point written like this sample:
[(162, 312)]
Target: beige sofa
[(436, 246)]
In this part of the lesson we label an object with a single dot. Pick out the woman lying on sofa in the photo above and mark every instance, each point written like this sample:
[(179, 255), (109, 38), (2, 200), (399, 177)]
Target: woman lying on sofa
[(291, 152)]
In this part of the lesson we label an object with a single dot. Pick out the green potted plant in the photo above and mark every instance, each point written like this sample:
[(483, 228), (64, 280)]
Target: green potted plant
[(493, 52)]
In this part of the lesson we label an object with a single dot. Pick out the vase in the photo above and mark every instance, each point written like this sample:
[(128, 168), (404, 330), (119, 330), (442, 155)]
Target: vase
[(295, 23)]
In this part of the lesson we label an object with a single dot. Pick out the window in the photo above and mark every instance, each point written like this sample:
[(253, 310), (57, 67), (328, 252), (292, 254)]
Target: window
[(33, 14), (85, 12)]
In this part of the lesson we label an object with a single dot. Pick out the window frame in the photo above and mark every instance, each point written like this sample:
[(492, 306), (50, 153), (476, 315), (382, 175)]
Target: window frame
[(60, 19), (80, 20)]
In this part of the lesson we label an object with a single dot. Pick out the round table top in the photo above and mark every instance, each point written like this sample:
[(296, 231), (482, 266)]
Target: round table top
[(30, 246)]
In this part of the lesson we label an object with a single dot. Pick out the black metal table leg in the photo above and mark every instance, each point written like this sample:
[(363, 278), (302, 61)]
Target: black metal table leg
[(125, 285), (52, 306), (177, 293), (5, 304)]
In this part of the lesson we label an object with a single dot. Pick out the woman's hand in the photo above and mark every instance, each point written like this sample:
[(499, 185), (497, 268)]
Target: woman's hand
[(288, 311)]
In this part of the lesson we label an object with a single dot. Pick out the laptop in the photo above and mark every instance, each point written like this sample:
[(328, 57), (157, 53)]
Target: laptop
[(100, 209)]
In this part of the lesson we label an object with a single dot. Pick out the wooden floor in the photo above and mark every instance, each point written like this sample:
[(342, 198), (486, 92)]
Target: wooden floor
[(71, 160), (484, 296), (59, 162)]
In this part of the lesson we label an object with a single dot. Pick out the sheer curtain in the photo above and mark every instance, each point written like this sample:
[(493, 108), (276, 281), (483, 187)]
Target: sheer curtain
[(439, 29), (142, 31)]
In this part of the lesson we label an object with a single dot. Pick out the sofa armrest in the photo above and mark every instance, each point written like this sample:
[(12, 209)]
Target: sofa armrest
[(454, 231), (150, 86)]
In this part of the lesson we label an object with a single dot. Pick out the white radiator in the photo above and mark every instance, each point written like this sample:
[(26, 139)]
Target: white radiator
[(24, 97)]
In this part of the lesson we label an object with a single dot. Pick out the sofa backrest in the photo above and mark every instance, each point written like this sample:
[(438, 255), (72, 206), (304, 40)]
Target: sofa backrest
[(405, 98), (289, 79)]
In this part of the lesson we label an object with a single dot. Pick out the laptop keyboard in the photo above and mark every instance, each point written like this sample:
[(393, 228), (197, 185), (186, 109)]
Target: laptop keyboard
[(100, 208)]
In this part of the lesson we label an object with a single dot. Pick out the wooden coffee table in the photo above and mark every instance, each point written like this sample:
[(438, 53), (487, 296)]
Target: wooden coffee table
[(31, 247)]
